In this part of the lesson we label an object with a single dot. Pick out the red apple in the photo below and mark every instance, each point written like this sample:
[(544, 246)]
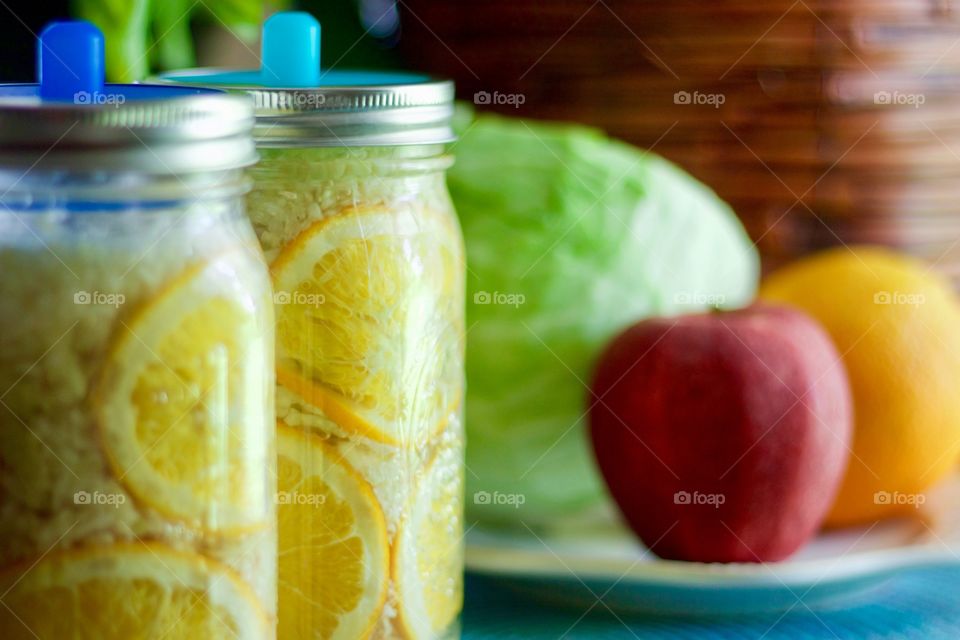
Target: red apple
[(723, 437)]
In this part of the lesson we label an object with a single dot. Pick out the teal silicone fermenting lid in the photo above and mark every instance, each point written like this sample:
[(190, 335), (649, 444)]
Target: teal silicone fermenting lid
[(71, 120), (299, 103)]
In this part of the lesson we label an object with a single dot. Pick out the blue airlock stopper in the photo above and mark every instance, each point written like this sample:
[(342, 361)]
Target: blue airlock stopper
[(70, 61), (290, 54)]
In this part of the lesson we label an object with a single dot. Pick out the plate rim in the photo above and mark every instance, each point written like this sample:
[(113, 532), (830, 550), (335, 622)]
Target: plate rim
[(502, 561)]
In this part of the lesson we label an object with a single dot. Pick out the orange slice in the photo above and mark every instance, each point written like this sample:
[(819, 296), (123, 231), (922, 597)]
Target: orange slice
[(428, 555), (128, 591), (370, 320), (333, 547), (183, 399)]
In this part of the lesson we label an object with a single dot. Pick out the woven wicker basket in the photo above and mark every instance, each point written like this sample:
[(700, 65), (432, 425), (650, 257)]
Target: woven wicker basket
[(839, 119)]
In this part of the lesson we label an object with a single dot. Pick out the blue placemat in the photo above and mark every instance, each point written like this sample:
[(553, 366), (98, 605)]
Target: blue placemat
[(920, 605)]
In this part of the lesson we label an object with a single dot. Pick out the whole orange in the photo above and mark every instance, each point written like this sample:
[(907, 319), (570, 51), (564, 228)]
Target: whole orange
[(896, 325)]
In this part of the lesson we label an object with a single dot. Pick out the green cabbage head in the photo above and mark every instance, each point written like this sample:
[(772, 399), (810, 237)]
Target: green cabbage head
[(571, 236)]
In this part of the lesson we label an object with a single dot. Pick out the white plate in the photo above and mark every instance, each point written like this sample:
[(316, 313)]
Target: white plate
[(577, 568)]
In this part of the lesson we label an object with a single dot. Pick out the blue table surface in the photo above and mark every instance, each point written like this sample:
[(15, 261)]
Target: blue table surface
[(921, 605)]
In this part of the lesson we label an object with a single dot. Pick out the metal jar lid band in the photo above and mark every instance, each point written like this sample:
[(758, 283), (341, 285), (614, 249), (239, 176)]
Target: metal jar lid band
[(71, 121), (192, 133), (333, 116)]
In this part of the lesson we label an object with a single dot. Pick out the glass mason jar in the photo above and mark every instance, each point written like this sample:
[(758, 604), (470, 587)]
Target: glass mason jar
[(351, 209), (136, 372), (368, 270)]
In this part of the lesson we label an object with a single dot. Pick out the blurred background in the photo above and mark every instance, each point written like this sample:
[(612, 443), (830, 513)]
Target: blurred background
[(819, 121)]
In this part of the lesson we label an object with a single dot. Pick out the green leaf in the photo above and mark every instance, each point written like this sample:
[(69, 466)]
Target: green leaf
[(172, 40), (141, 32), (125, 27)]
